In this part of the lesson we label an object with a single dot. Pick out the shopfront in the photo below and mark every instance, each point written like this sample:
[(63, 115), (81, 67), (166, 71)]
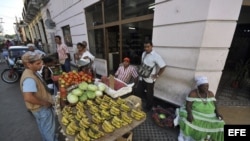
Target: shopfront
[(117, 29)]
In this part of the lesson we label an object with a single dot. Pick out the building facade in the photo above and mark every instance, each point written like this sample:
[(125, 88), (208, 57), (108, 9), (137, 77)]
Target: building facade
[(193, 36)]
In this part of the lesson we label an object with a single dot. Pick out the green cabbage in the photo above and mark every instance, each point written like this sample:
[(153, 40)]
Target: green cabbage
[(77, 92), (83, 98), (98, 93), (92, 87), (101, 87), (72, 98), (83, 86), (91, 94)]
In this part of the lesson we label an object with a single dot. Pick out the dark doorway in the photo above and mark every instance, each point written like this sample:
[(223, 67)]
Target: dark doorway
[(112, 41)]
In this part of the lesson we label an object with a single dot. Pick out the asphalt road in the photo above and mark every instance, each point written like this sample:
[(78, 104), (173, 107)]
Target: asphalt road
[(16, 123)]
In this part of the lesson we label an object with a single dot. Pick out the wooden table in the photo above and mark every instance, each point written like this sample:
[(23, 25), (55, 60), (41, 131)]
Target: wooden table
[(108, 136)]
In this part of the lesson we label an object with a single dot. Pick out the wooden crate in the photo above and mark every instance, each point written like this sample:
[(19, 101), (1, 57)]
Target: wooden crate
[(126, 137)]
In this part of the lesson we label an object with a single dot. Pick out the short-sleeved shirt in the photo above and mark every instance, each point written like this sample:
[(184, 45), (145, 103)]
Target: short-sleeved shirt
[(87, 53), (62, 51), (29, 85), (152, 59), (125, 74)]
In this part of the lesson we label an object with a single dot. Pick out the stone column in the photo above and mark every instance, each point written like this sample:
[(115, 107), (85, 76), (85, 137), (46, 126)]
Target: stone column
[(193, 36)]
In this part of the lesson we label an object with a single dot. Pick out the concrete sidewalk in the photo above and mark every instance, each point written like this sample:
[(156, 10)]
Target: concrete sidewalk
[(235, 114)]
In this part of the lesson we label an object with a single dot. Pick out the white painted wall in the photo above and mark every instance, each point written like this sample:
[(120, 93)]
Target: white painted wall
[(67, 13), (193, 37)]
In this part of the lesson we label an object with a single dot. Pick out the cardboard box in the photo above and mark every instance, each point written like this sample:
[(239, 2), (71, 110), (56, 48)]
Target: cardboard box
[(126, 137)]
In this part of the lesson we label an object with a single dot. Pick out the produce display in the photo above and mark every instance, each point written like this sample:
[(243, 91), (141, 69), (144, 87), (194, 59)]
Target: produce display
[(85, 91), (74, 77), (95, 116)]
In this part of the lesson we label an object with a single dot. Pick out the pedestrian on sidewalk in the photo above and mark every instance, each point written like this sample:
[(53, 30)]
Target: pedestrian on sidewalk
[(37, 97), (63, 54)]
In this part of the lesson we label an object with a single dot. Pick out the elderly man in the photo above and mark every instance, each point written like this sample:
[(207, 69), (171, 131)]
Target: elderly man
[(37, 96), (32, 48)]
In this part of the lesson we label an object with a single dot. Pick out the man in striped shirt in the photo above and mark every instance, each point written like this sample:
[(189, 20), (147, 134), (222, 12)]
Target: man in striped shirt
[(126, 72)]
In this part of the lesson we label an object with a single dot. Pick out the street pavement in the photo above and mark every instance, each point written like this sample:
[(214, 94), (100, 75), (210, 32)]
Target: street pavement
[(16, 123)]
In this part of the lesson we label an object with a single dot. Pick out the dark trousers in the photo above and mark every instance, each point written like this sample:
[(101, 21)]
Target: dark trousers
[(66, 66), (146, 91)]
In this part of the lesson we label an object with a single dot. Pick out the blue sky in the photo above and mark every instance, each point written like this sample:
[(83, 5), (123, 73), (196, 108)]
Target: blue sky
[(9, 9)]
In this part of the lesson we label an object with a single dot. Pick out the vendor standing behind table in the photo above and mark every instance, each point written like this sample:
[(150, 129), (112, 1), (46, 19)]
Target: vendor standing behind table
[(63, 54), (83, 58), (126, 72), (37, 96), (149, 74)]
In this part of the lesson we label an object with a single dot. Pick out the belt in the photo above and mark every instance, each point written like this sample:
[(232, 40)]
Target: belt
[(35, 110)]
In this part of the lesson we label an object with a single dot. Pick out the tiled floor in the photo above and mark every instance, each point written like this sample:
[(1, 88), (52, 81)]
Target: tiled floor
[(149, 131)]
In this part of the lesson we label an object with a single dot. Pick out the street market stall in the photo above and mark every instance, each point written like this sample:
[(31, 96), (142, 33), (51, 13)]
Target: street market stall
[(89, 113)]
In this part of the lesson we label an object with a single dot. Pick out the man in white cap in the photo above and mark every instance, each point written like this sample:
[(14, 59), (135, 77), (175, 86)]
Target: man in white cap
[(200, 119)]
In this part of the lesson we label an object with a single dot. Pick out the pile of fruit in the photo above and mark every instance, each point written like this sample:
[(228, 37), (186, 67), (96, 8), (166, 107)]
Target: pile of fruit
[(94, 118), (85, 91), (74, 77)]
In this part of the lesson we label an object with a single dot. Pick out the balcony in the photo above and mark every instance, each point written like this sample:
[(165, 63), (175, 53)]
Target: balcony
[(31, 9)]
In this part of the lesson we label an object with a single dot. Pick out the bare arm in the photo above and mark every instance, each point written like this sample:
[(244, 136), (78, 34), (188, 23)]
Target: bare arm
[(189, 104), (31, 98), (161, 70), (69, 56), (159, 73), (190, 117)]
